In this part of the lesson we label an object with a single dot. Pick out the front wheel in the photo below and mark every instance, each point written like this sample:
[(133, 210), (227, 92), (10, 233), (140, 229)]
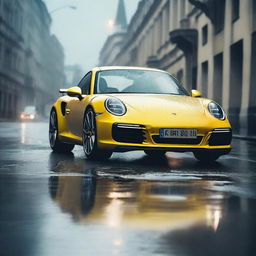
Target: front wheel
[(206, 156), (90, 146), (55, 143)]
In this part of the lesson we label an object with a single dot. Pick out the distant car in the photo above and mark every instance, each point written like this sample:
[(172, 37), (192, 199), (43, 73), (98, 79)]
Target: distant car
[(29, 113), (118, 109)]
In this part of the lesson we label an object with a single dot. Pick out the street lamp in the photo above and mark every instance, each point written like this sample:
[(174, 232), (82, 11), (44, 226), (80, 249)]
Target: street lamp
[(110, 25), (63, 7)]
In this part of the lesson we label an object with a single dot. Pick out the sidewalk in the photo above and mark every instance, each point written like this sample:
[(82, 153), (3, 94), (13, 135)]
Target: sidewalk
[(6, 120), (243, 137)]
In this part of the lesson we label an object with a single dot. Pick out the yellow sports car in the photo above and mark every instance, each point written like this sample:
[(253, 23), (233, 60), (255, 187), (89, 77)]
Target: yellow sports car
[(118, 109)]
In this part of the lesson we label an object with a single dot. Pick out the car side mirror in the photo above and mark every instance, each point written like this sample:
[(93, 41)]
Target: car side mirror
[(73, 92), (195, 93)]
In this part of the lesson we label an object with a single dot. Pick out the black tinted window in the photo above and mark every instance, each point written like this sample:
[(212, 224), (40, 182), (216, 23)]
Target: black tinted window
[(85, 84)]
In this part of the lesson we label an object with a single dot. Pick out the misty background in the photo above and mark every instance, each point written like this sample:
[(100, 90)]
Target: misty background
[(50, 44), (83, 31)]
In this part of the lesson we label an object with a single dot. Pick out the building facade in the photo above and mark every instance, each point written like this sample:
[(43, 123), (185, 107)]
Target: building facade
[(114, 43), (209, 45), (31, 58), (73, 74)]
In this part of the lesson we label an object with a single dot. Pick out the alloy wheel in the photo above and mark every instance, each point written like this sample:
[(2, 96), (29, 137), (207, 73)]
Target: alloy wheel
[(53, 128), (89, 132)]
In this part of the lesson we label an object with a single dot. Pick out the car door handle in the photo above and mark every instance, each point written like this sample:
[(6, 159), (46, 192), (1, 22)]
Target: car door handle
[(67, 111)]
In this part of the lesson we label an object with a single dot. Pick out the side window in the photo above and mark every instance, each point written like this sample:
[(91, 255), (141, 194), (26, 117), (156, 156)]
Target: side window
[(85, 84)]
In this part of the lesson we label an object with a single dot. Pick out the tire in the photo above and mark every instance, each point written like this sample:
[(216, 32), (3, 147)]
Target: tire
[(90, 143), (155, 153), (206, 156), (55, 143)]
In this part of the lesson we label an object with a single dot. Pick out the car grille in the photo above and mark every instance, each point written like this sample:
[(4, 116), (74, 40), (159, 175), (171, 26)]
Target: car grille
[(220, 137), (128, 133), (195, 141)]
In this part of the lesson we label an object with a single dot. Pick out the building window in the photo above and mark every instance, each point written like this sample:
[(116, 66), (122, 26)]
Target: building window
[(220, 16), (182, 9), (252, 105), (160, 29), (0, 54), (134, 55), (205, 34), (8, 16), (254, 14), (218, 77), (194, 78), (236, 83), (15, 61), (179, 76), (235, 10), (167, 24), (7, 58), (1, 103), (205, 78)]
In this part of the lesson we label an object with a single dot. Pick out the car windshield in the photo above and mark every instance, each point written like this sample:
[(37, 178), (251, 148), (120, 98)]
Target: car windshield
[(137, 81)]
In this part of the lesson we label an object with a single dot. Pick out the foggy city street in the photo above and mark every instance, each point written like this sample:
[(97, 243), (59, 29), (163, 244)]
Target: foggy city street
[(87, 168)]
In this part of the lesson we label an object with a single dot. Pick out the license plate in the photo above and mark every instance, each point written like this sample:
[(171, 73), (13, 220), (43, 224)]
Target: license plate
[(178, 133)]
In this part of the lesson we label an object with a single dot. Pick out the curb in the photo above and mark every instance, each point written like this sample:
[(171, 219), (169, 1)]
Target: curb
[(7, 120), (241, 137)]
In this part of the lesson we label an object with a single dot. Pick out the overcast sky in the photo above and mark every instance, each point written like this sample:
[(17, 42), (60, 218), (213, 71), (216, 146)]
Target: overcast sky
[(82, 32)]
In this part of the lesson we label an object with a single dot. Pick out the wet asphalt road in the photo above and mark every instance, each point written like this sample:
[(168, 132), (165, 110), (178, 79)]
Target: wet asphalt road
[(52, 204)]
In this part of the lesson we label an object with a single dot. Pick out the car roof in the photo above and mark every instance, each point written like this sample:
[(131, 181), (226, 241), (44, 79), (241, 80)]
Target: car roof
[(126, 67)]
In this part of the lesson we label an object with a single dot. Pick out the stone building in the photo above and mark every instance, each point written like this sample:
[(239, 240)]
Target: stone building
[(112, 46), (209, 45), (73, 74), (31, 58)]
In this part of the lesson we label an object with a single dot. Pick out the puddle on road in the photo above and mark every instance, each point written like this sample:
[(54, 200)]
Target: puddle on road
[(137, 207), (161, 176), (171, 207), (139, 199), (129, 205)]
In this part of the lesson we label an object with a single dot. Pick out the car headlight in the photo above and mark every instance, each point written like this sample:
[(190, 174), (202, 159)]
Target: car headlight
[(216, 110), (115, 106)]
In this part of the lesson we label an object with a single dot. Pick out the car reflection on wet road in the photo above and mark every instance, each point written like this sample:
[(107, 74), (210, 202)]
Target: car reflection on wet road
[(53, 204)]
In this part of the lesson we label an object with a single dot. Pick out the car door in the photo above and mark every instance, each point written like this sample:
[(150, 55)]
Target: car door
[(76, 107)]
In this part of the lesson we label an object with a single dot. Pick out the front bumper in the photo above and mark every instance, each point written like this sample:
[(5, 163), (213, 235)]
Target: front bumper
[(119, 136)]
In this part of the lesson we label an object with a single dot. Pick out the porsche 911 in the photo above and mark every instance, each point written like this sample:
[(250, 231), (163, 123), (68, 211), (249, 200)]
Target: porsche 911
[(119, 109)]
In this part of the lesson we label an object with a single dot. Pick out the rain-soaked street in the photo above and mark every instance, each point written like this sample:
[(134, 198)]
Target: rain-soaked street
[(52, 204)]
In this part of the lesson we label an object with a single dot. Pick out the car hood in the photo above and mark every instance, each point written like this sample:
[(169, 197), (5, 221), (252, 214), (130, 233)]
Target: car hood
[(183, 109), (163, 103)]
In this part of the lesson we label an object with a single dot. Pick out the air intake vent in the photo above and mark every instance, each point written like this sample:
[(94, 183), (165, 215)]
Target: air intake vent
[(159, 140), (128, 133), (221, 137)]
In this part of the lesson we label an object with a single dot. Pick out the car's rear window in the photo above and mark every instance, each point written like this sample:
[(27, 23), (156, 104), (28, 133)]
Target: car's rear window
[(30, 109)]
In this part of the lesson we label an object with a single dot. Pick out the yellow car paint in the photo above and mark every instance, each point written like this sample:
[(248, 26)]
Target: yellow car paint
[(153, 111)]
